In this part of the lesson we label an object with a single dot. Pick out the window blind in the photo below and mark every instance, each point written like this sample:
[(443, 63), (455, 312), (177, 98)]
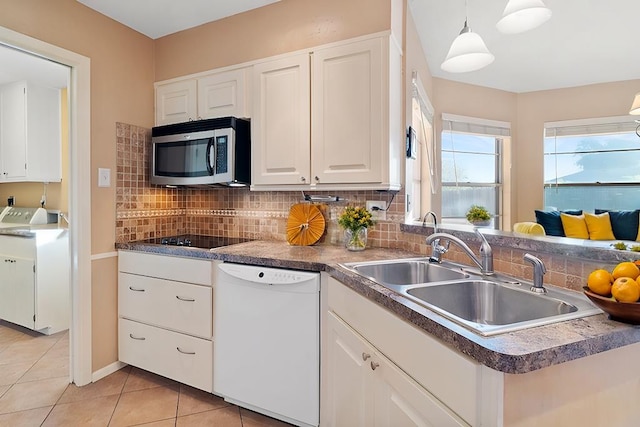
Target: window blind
[(605, 125), (474, 125)]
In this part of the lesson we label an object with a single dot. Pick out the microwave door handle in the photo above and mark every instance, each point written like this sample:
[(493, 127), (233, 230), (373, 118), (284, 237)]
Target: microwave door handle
[(208, 156)]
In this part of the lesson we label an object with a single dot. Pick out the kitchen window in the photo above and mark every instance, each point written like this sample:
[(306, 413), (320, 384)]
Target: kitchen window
[(592, 164), (472, 155), (421, 178)]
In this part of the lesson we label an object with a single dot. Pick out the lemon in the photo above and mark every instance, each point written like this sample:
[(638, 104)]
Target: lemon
[(599, 281), (626, 269), (625, 289)]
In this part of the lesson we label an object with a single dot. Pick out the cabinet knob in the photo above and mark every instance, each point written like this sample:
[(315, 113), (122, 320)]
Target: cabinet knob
[(185, 299), (303, 179), (317, 178), (136, 289), (365, 356), (374, 365), (137, 338)]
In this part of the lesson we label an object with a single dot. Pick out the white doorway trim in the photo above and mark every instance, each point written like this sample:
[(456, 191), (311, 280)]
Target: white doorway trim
[(79, 194)]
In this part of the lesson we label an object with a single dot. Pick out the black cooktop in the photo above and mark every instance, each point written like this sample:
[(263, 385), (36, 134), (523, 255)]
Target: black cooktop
[(196, 241)]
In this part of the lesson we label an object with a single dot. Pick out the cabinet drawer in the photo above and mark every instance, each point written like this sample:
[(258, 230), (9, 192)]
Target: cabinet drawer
[(178, 306), (18, 247), (166, 267), (180, 357)]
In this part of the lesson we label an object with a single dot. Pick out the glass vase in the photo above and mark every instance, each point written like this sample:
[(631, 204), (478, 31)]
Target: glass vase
[(355, 240)]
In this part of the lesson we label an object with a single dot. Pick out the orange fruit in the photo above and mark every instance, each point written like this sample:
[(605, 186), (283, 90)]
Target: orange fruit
[(626, 269), (599, 282), (625, 289)]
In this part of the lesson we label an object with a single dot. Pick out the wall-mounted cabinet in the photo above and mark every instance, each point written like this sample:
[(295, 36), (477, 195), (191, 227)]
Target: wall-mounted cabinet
[(329, 118), (215, 94), (30, 133)]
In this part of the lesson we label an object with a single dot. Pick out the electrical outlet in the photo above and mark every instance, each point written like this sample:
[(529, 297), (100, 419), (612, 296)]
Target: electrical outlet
[(377, 209)]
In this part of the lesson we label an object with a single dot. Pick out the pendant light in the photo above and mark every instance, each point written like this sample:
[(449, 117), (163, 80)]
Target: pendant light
[(523, 15), (635, 107), (467, 53), (635, 110)]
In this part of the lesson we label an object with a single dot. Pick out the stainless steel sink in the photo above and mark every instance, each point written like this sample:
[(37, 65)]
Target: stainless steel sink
[(407, 272), (487, 305)]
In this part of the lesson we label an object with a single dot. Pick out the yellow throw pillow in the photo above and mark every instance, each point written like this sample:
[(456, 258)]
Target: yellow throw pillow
[(599, 226), (574, 226), (528, 227)]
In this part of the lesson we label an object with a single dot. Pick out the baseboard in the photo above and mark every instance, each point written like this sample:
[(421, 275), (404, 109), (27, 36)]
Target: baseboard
[(107, 370)]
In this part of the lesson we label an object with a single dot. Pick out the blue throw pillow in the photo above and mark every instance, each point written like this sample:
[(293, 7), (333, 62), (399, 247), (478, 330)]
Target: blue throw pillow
[(551, 221), (623, 223)]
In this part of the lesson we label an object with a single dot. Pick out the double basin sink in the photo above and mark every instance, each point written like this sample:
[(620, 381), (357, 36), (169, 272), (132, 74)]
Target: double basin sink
[(485, 304)]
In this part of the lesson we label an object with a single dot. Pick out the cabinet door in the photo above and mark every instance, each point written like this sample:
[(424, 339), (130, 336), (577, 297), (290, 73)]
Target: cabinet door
[(349, 396), (223, 94), (13, 131), (280, 125), (176, 102), (401, 402), (348, 115), (17, 290)]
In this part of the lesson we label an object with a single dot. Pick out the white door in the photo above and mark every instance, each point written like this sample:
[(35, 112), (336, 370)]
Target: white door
[(280, 124), (223, 94), (401, 402), (17, 288), (176, 102), (13, 131), (349, 394), (348, 119)]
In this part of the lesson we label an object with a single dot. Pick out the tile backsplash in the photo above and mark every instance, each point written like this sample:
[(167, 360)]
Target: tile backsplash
[(146, 211)]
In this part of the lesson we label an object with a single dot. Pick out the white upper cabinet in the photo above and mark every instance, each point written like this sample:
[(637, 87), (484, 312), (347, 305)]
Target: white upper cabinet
[(355, 108), (280, 127), (216, 94), (176, 102), (30, 133)]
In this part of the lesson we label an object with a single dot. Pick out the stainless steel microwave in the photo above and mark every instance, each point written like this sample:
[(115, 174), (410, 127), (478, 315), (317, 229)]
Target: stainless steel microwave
[(214, 152)]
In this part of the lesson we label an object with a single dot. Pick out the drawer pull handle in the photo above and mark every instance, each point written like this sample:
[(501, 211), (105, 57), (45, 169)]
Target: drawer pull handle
[(374, 365), (185, 352), (365, 356), (136, 289), (137, 338), (185, 299)]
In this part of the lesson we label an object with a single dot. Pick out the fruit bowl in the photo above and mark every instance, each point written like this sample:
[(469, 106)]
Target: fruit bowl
[(628, 312)]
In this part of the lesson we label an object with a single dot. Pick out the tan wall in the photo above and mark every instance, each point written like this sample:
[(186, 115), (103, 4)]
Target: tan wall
[(535, 108), (527, 113), (122, 75), (281, 27)]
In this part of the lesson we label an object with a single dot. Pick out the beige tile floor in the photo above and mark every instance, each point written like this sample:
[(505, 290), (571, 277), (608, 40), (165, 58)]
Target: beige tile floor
[(35, 391)]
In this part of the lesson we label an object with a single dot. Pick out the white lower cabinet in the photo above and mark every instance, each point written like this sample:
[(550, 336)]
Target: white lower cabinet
[(367, 389), (173, 355), (165, 316)]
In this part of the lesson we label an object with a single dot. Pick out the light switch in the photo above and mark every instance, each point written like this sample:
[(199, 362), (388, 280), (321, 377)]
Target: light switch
[(104, 177)]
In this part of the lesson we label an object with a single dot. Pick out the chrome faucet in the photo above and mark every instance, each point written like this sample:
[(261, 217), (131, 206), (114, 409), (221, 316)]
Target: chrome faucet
[(486, 254), (435, 220), (538, 273)]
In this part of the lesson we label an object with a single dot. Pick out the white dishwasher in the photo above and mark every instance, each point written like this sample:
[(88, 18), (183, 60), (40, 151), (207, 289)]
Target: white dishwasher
[(267, 341)]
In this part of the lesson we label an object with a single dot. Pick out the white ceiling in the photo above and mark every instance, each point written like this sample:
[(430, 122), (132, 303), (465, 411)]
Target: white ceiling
[(584, 42), (157, 18)]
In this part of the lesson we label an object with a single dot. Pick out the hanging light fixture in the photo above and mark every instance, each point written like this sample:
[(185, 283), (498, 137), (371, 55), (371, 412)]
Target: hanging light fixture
[(635, 110), (635, 107), (468, 52), (523, 15)]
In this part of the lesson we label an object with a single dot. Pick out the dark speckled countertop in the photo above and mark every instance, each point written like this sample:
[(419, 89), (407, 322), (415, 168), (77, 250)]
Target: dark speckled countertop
[(515, 352)]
